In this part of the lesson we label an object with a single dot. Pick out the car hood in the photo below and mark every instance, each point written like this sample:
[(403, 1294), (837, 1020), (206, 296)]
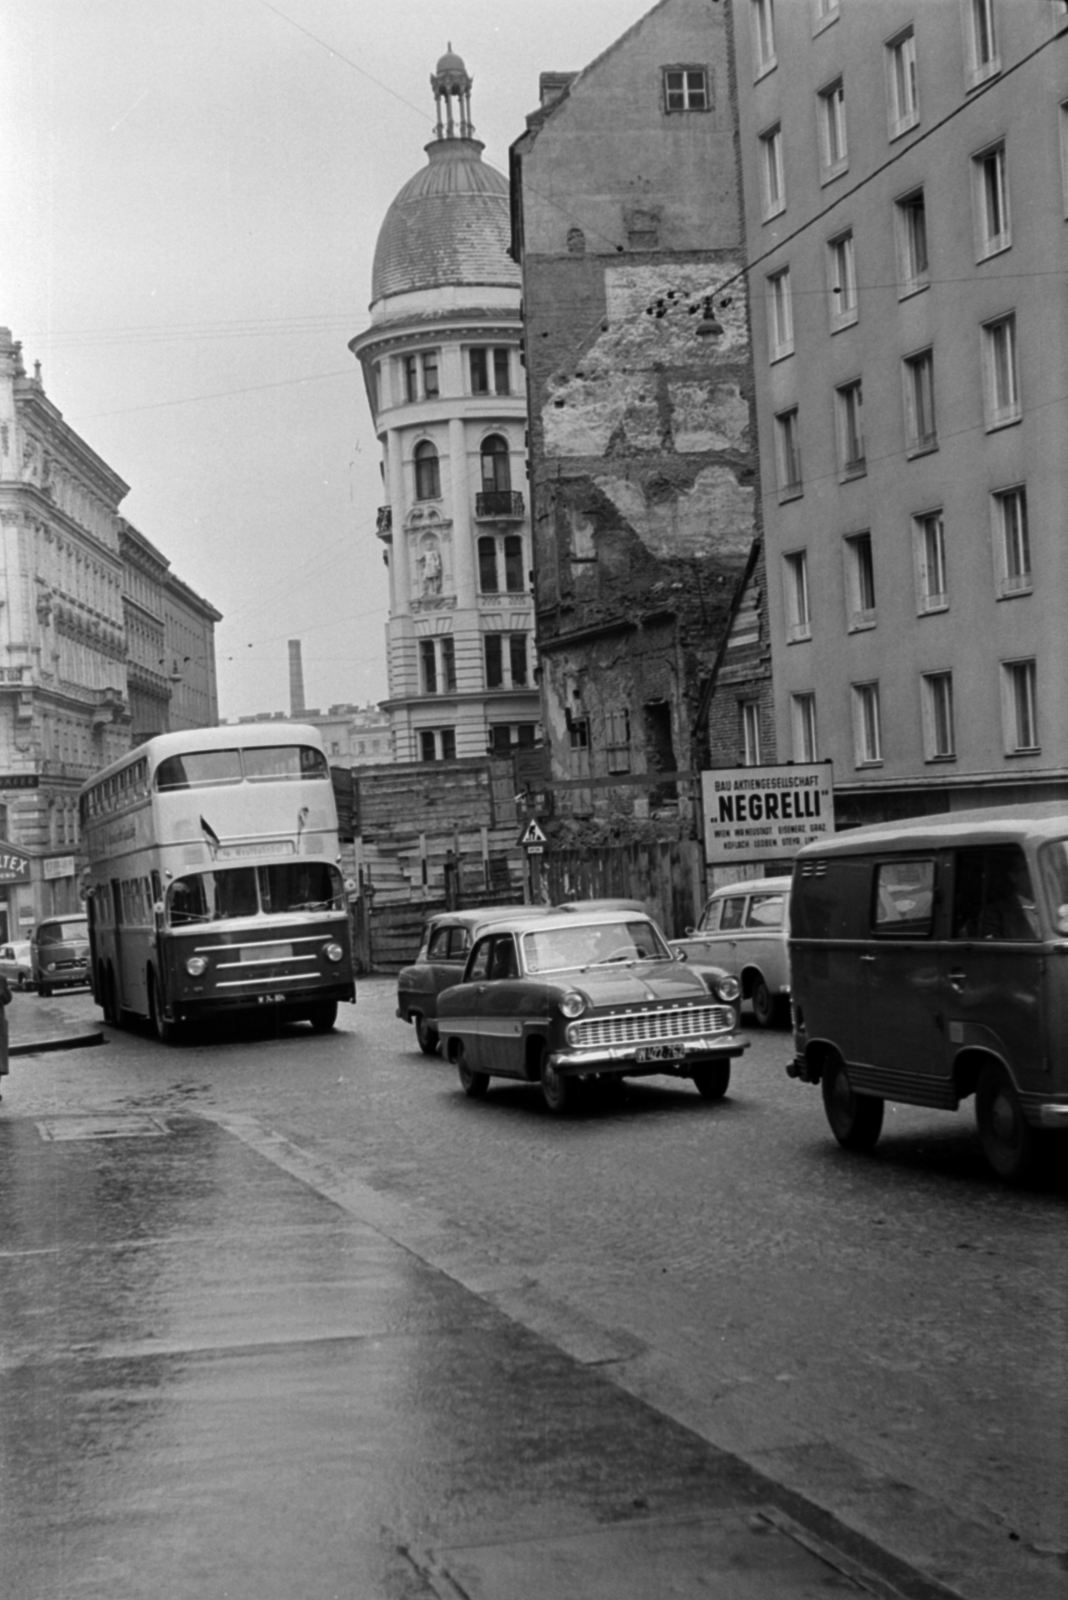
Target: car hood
[(644, 983)]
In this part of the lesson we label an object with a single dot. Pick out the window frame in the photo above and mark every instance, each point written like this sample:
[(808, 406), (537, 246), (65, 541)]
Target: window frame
[(938, 714), (772, 172), (765, 59), (426, 463), (803, 726), (991, 241), (1012, 544), (618, 740), (683, 91), (912, 276), (902, 87), (919, 442), (842, 284), (1001, 410), (849, 429), (929, 532), (788, 453), (867, 724), (780, 314), (1016, 674), (833, 137), (979, 17), (797, 597), (750, 744), (861, 604)]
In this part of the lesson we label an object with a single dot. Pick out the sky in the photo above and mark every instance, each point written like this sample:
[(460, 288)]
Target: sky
[(192, 194)]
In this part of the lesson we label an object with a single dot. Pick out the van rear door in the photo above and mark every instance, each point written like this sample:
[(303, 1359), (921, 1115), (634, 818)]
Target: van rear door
[(904, 1032)]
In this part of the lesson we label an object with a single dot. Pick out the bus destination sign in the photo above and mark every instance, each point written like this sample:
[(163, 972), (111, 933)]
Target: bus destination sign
[(754, 812)]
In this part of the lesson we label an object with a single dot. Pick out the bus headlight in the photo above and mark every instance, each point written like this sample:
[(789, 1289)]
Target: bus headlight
[(196, 966), (334, 952)]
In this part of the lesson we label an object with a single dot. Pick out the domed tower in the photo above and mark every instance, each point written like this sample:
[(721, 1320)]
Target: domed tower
[(441, 361)]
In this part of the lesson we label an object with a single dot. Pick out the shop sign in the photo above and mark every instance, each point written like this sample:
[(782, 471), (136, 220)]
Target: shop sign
[(14, 864), (19, 780), (754, 812), (57, 867)]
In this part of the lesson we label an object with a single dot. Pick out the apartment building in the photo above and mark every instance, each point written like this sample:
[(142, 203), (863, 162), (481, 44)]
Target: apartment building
[(905, 168)]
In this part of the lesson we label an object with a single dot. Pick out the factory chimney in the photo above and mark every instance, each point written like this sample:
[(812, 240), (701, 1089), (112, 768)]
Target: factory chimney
[(296, 681)]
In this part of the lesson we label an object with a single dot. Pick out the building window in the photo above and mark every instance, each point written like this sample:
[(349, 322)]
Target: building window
[(685, 89), (803, 720), (506, 663), (867, 726), (437, 659), (842, 271), (903, 93), (780, 315), (420, 375), (427, 472), (430, 374), (411, 378), (939, 740), (750, 730), (992, 227), (1012, 542), (1019, 707), (617, 741), (849, 402), (1064, 155), (490, 370), (788, 453), (763, 13), (823, 13), (831, 108), (437, 744), (913, 266), (496, 553), (795, 587), (920, 431), (578, 740), (981, 43), (496, 465), (929, 540), (860, 582), (999, 361), (771, 172)]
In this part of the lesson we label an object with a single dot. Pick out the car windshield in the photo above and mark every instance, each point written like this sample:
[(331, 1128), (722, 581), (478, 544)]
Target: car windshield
[(247, 891), (592, 944), (61, 932)]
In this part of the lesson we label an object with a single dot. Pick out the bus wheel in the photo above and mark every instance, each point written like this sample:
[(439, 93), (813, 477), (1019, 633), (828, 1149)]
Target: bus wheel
[(1008, 1142), (323, 1016), (856, 1119), (166, 1032)]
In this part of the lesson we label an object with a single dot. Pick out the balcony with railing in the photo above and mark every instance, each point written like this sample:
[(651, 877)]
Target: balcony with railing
[(499, 505)]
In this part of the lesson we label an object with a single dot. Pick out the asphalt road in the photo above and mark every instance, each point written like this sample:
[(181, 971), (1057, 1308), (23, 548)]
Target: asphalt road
[(886, 1335)]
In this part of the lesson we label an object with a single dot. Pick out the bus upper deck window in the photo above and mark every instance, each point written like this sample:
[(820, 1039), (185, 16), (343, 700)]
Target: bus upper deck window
[(285, 761), (199, 768)]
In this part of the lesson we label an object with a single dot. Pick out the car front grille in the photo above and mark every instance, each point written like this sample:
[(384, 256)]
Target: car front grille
[(650, 1027)]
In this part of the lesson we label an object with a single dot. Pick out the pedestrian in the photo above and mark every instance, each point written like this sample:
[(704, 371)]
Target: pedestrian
[(5, 1000)]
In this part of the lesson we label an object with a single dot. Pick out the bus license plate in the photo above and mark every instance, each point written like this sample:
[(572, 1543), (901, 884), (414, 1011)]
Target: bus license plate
[(269, 999), (656, 1052)]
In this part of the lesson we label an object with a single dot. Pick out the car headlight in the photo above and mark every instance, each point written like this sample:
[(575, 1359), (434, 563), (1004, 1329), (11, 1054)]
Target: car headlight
[(727, 988), (334, 952), (50, 966), (573, 1004), (196, 966)]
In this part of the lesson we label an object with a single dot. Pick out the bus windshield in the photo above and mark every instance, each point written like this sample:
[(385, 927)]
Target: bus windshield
[(202, 769), (253, 891)]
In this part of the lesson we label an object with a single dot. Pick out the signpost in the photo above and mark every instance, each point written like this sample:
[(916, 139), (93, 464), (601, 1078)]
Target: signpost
[(533, 841), (755, 812)]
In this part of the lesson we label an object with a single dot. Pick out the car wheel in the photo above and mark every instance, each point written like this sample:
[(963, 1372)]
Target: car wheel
[(765, 1006), (712, 1082), (557, 1091), (21, 980), (474, 1084), (166, 1032), (856, 1119), (45, 990), (429, 1040), (1009, 1142)]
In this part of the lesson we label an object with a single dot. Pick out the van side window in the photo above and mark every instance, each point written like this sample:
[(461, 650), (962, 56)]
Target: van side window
[(480, 960), (505, 962), (903, 904), (992, 894), (733, 912), (709, 922), (439, 944), (459, 944), (765, 911)]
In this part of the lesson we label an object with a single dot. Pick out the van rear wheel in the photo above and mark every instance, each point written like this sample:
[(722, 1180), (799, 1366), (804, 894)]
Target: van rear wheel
[(856, 1119), (1009, 1142)]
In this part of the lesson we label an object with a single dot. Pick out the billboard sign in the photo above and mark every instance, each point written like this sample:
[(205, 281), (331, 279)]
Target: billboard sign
[(754, 812)]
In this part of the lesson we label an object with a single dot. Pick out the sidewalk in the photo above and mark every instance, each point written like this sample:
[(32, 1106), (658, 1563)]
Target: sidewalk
[(214, 1380), (65, 1021)]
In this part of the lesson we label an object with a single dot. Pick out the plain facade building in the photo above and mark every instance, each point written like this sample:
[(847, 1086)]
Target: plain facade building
[(906, 197), (443, 372)]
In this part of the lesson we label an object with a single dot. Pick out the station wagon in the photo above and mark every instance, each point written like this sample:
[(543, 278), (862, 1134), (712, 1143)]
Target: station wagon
[(743, 930)]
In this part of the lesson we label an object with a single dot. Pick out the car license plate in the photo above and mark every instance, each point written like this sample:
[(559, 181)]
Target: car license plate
[(656, 1052)]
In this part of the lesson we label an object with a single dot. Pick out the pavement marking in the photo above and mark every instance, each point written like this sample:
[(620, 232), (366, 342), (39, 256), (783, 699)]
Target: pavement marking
[(130, 1125)]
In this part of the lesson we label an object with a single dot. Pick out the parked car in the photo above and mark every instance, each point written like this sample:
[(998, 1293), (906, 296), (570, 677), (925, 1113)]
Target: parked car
[(928, 962), (16, 964), (59, 953), (447, 940), (743, 930), (586, 994)]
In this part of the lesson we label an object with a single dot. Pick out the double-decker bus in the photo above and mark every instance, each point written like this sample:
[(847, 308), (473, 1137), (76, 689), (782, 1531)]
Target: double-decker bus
[(213, 882)]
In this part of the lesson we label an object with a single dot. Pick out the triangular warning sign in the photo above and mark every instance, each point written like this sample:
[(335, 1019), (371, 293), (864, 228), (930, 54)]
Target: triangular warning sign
[(532, 834)]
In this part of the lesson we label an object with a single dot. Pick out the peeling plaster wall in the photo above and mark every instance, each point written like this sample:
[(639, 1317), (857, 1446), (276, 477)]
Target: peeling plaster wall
[(642, 432)]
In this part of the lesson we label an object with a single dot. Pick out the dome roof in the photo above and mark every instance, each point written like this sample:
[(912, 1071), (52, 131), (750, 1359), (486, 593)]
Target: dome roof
[(450, 224)]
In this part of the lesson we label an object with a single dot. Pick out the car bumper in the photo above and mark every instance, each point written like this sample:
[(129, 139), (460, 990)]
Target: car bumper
[(687, 1054)]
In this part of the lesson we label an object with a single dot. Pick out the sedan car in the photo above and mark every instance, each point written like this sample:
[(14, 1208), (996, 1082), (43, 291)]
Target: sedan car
[(16, 964), (586, 994), (447, 940), (743, 930)]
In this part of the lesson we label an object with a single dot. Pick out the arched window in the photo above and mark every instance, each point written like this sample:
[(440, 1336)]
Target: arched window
[(496, 465), (427, 472)]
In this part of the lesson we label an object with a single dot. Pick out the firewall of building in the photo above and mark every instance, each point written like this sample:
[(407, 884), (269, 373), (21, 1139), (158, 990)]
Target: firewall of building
[(642, 430)]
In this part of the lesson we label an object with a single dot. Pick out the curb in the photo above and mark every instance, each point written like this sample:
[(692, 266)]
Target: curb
[(70, 1041)]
